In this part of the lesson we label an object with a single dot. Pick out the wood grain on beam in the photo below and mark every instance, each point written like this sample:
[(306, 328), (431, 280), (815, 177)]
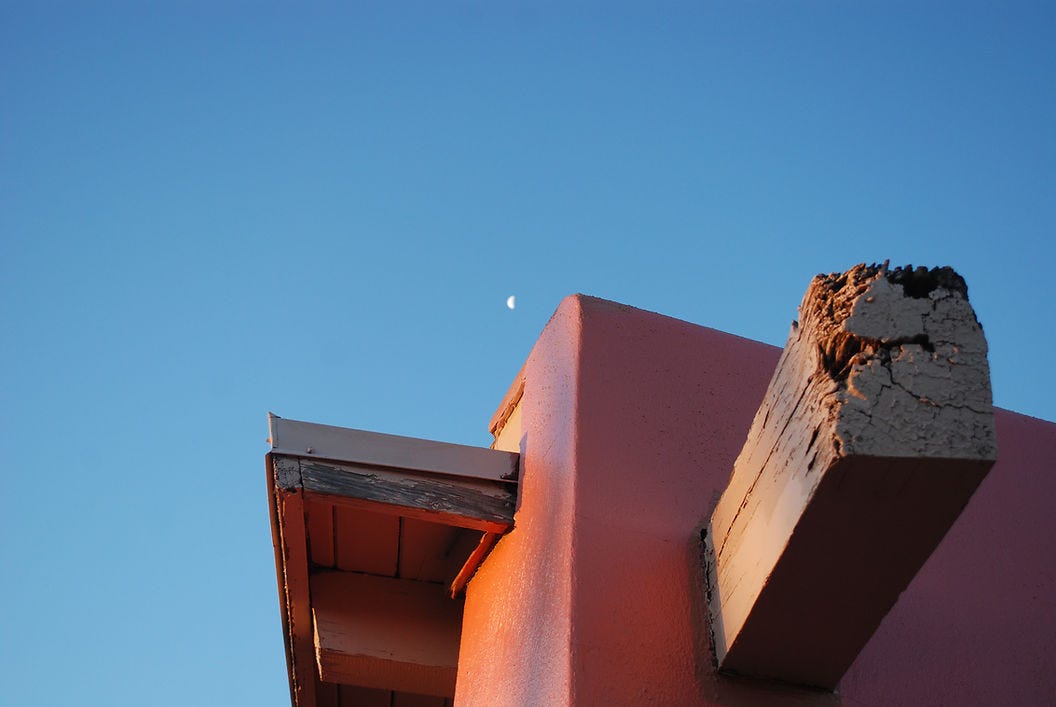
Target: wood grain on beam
[(875, 431), (466, 503), (386, 633)]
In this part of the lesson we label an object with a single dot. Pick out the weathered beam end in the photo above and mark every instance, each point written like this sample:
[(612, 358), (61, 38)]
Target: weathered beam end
[(875, 431)]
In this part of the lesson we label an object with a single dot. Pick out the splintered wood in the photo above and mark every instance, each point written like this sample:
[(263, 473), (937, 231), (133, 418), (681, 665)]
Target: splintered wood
[(875, 431)]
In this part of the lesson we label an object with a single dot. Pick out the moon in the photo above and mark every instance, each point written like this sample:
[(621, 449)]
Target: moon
[(511, 302)]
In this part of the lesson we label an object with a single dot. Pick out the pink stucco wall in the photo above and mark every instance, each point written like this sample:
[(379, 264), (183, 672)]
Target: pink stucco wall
[(631, 423)]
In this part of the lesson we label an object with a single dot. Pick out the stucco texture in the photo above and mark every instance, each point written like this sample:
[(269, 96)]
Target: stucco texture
[(631, 423)]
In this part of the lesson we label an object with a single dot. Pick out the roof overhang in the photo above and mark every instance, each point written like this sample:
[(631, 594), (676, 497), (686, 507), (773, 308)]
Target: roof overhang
[(375, 536)]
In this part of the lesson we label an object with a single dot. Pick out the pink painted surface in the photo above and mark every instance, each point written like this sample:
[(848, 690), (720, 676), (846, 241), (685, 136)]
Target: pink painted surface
[(978, 624), (516, 629), (632, 421)]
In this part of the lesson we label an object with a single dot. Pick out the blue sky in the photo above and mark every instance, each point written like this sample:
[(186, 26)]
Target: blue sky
[(210, 212)]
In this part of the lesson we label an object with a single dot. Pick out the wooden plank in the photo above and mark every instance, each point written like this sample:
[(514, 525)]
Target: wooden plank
[(386, 633), (320, 532), (340, 444), (425, 549), (327, 694), (467, 503), (875, 431), (407, 699), (469, 567), (510, 401), (356, 696), (508, 437), (365, 541), (289, 507)]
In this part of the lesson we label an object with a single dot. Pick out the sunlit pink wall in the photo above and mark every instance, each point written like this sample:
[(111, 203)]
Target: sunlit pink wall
[(631, 424)]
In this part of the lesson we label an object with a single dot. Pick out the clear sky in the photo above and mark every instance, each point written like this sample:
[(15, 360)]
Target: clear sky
[(210, 212)]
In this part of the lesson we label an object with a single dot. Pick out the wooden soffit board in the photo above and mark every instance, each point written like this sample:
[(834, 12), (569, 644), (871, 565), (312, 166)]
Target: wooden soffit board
[(387, 633)]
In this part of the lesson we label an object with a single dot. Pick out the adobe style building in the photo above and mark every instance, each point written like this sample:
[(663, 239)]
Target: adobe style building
[(621, 544)]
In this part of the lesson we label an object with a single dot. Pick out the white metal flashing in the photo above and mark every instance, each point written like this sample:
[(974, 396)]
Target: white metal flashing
[(341, 444)]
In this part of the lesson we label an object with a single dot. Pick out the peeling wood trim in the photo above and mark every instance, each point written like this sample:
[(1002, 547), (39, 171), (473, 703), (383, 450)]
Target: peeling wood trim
[(509, 402), (287, 472), (466, 503)]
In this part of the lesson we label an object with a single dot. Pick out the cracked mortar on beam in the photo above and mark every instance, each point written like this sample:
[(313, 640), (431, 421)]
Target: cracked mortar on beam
[(876, 429), (896, 341)]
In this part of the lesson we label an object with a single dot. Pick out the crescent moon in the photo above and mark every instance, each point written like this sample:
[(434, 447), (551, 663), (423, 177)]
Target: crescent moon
[(511, 302)]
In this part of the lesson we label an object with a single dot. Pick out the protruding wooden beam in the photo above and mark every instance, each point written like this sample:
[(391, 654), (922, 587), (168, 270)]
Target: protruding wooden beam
[(382, 632), (875, 431)]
